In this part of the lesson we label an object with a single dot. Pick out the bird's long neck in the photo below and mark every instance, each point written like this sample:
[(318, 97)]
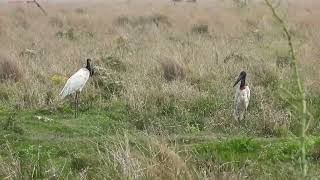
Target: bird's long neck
[(89, 67), (243, 84)]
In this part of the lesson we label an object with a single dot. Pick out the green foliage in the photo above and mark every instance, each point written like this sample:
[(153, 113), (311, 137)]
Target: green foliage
[(228, 151), (314, 152), (35, 162), (204, 107), (11, 124), (118, 111), (240, 150), (4, 94)]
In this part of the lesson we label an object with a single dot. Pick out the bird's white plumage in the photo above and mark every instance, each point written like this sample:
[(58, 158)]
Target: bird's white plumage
[(241, 102), (76, 82)]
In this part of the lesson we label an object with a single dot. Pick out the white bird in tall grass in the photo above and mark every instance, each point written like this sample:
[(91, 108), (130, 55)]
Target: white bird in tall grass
[(76, 83), (242, 97)]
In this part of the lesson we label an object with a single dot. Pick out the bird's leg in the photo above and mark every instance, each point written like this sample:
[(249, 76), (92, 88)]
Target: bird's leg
[(78, 102), (76, 105)]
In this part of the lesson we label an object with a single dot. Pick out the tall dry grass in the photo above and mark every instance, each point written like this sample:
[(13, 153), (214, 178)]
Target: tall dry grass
[(48, 49)]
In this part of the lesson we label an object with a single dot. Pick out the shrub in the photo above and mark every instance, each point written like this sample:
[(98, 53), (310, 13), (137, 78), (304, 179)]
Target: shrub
[(9, 70)]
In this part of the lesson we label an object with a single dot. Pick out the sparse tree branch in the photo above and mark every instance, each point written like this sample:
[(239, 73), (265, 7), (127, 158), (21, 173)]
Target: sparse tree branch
[(40, 7), (32, 2), (300, 87)]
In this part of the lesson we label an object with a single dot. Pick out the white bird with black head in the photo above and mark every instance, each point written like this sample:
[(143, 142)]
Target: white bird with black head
[(242, 97), (76, 83)]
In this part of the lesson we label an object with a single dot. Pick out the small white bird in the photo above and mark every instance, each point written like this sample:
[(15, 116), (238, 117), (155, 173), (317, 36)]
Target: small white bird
[(76, 83), (242, 97)]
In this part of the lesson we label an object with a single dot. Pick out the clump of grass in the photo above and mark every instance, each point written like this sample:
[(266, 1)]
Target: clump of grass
[(121, 20), (9, 70), (68, 34), (58, 80), (56, 22), (265, 76), (78, 163), (283, 61), (172, 70), (235, 57), (10, 167), (114, 63), (159, 19), (79, 10), (12, 125), (109, 83), (241, 3), (156, 19), (200, 29), (4, 94), (136, 157)]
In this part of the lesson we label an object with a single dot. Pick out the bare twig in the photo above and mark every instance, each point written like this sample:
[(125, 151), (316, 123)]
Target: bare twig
[(300, 87), (40, 7), (32, 2)]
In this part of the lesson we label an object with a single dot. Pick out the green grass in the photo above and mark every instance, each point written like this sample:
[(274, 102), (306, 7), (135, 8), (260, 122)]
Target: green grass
[(67, 146)]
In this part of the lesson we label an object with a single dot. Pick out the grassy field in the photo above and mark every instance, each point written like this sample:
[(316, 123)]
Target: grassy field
[(160, 104)]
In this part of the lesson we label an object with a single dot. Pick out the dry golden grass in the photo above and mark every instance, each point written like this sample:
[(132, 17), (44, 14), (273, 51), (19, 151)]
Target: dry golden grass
[(162, 69), (139, 34), (9, 70)]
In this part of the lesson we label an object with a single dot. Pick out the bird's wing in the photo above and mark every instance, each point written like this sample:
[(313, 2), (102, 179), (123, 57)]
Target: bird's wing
[(76, 82)]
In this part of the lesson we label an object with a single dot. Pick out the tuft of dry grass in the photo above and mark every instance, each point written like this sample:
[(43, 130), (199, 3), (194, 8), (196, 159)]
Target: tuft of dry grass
[(137, 157), (172, 70), (9, 70)]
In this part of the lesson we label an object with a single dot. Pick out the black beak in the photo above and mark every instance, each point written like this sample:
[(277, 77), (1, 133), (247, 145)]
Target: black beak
[(239, 78)]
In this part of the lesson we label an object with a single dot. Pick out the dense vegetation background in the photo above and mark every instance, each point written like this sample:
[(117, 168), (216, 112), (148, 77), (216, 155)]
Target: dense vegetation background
[(160, 104)]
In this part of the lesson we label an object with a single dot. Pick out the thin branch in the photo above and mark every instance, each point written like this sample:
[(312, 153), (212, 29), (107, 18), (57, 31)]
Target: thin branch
[(301, 90), (32, 2), (40, 7)]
